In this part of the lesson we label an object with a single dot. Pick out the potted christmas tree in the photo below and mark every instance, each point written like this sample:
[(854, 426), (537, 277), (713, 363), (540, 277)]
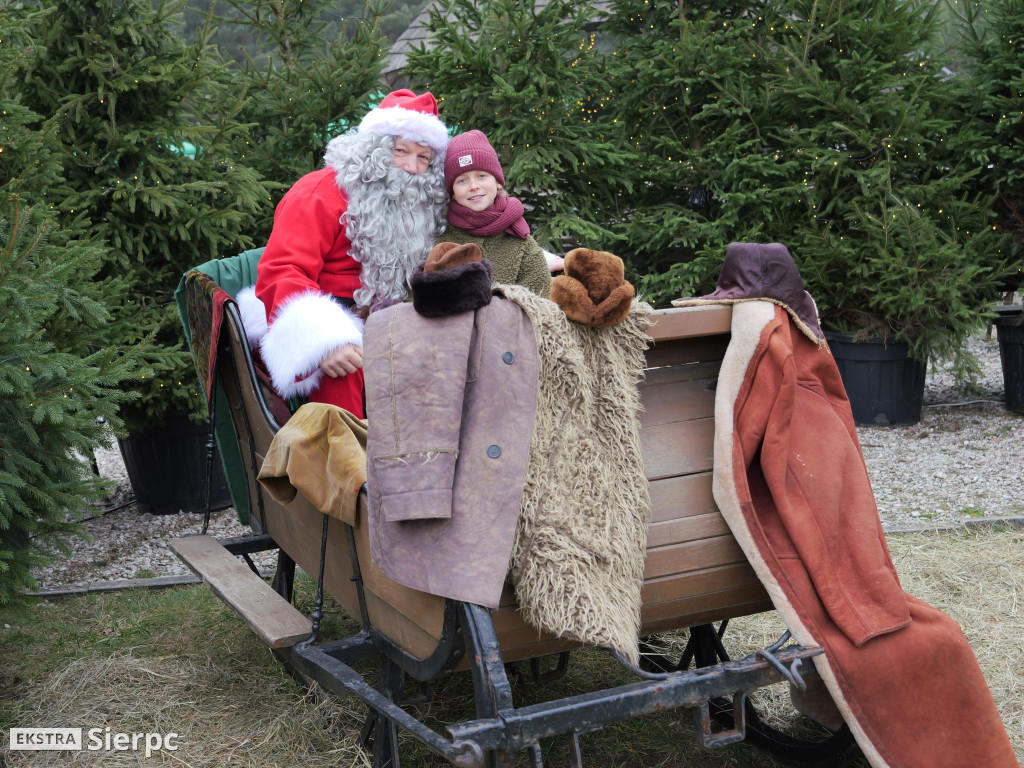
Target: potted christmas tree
[(58, 378), (991, 46), (893, 245), (845, 142), (145, 127)]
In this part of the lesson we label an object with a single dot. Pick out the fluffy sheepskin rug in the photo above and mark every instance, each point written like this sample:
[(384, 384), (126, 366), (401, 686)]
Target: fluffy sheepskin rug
[(578, 558)]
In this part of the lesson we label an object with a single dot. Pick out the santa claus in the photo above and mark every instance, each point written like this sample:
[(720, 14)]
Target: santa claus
[(345, 241)]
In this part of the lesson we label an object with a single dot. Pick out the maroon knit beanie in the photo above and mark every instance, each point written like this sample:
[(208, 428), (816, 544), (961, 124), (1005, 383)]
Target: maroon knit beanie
[(471, 151)]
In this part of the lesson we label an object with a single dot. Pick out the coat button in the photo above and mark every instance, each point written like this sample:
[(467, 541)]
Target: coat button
[(494, 451), (508, 357)]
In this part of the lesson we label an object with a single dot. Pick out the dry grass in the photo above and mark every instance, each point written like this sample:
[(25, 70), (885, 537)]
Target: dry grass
[(978, 579), (96, 663), (222, 716)]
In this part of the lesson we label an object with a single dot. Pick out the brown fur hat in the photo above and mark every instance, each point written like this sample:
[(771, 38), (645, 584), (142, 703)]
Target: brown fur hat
[(450, 255), (593, 290), (455, 278)]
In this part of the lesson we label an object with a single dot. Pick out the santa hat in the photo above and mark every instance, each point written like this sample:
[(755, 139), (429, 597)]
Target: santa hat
[(409, 116)]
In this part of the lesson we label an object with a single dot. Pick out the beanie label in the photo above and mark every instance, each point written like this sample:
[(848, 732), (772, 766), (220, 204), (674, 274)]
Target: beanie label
[(465, 160)]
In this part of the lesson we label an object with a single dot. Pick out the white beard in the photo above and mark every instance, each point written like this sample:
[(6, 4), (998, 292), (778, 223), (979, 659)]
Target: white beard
[(393, 216)]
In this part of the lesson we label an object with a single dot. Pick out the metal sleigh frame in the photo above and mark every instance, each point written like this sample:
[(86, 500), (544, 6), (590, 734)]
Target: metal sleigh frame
[(716, 688)]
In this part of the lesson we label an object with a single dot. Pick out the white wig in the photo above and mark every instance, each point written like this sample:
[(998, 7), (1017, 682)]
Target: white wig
[(393, 216)]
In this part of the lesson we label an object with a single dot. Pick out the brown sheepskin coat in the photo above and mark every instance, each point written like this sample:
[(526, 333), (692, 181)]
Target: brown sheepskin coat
[(791, 482)]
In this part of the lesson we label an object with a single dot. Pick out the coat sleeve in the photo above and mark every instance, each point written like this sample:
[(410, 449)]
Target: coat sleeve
[(305, 322), (414, 393), (808, 481)]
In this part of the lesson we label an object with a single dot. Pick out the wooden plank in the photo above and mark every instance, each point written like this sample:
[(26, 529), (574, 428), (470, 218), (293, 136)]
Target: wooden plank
[(707, 371), (680, 351), (398, 628), (297, 528), (531, 650), (277, 622), (513, 631), (680, 400), (690, 322), (706, 617), (680, 448), (693, 528), (682, 611), (692, 556), (664, 589), (673, 498)]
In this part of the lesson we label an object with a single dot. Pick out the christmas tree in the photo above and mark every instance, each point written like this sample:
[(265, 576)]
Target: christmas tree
[(691, 103), (531, 79), (145, 128), (59, 391), (832, 128), (308, 88), (890, 239), (992, 40)]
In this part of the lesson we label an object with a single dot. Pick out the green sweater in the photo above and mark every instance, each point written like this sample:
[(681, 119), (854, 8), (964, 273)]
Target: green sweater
[(513, 261)]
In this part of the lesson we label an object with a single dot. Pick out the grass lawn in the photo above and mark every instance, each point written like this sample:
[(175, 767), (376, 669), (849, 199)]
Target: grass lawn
[(177, 660)]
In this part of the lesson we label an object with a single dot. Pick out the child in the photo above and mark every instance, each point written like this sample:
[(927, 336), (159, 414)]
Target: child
[(482, 212)]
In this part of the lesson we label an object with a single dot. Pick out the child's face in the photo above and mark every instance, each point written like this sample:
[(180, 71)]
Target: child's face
[(475, 189)]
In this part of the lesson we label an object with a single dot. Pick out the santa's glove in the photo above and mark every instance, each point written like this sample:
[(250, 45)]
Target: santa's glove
[(593, 291)]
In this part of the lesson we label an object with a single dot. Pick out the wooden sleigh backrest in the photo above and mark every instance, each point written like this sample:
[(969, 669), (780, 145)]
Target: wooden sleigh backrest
[(695, 571)]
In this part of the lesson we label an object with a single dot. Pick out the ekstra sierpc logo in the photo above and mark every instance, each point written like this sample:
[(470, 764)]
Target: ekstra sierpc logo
[(96, 739)]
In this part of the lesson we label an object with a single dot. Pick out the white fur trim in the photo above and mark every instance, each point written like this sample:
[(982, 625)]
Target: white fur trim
[(408, 124), (749, 319), (307, 327), (254, 315)]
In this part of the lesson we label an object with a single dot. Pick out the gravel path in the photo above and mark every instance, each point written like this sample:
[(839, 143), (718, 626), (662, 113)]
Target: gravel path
[(960, 463)]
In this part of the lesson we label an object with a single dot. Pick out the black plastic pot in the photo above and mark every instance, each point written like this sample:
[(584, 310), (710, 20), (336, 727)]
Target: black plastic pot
[(1010, 334), (167, 468), (885, 385)]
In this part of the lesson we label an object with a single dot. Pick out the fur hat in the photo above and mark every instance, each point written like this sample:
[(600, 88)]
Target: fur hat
[(763, 272), (471, 151), (451, 255), (593, 290), (454, 278), (410, 117)]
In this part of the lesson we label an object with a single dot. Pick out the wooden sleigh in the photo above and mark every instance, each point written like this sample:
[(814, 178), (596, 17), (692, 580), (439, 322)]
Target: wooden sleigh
[(695, 576)]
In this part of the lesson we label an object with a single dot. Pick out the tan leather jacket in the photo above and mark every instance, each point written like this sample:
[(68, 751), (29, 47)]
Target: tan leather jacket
[(437, 389)]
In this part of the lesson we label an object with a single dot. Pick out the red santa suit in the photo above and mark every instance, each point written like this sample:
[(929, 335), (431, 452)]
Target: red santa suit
[(305, 278), (307, 275)]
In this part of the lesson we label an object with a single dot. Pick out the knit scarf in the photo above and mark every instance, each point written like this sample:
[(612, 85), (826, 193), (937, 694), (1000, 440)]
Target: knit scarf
[(504, 215)]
